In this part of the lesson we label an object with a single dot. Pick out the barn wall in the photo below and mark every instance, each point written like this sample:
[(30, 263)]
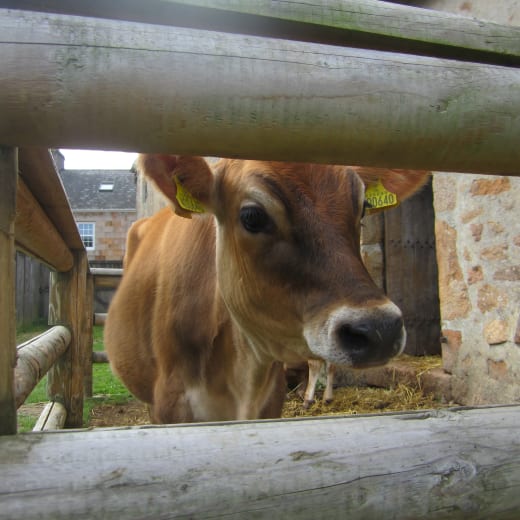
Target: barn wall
[(149, 199), (32, 290), (478, 251), (110, 233)]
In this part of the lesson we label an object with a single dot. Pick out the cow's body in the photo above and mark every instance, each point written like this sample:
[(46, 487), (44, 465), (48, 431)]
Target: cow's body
[(210, 307)]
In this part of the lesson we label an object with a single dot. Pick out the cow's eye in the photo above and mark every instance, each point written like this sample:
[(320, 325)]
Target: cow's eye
[(255, 219)]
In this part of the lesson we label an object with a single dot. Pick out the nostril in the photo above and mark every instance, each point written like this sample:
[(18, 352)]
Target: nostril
[(370, 337), (392, 327), (354, 337)]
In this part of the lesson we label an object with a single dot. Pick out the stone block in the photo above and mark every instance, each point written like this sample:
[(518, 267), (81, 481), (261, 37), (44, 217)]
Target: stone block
[(445, 197), (475, 275), (509, 274), (498, 370), (492, 186), (372, 256), (497, 252), (372, 229), (452, 340), (453, 291), (495, 332), (437, 383), (476, 231), (489, 298), (470, 215)]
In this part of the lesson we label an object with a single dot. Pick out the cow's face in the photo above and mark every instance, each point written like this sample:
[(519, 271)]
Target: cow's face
[(288, 261)]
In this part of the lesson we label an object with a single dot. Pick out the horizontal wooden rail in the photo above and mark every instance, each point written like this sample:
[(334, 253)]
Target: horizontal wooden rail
[(446, 464), (366, 23), (99, 357), (52, 417), (100, 318), (106, 277), (36, 234), (106, 271), (36, 357), (195, 92), (37, 168)]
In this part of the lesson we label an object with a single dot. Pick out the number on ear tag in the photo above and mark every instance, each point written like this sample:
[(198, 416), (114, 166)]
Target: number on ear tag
[(379, 198), (186, 200)]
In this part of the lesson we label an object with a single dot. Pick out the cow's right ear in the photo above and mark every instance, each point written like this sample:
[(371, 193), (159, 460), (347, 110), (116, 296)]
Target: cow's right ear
[(386, 188), (186, 181)]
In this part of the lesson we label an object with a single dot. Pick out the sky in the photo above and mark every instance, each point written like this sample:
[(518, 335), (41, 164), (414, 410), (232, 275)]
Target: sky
[(97, 160)]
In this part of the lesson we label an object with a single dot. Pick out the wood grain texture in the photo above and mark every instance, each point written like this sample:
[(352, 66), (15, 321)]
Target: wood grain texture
[(67, 306), (365, 23), (36, 234), (35, 358), (39, 174), (8, 179), (445, 464), (93, 83), (52, 417), (88, 336), (411, 275)]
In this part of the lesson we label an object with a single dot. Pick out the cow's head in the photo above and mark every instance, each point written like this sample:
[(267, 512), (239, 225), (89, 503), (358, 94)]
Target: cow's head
[(288, 255)]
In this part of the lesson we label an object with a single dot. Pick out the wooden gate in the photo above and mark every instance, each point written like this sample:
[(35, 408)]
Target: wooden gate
[(411, 271)]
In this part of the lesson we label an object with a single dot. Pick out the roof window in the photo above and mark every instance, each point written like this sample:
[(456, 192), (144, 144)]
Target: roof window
[(106, 186)]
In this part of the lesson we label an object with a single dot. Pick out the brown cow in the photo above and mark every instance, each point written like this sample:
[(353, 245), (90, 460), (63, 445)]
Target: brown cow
[(210, 307)]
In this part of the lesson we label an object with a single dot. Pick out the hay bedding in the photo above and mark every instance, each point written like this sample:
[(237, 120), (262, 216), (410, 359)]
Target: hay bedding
[(359, 400), (347, 400)]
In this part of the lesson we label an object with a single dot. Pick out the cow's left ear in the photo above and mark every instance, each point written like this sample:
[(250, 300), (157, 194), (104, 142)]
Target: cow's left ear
[(187, 181), (401, 183)]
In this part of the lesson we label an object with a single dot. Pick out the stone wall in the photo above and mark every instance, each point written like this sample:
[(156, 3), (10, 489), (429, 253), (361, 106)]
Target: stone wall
[(149, 199), (478, 251), (111, 228)]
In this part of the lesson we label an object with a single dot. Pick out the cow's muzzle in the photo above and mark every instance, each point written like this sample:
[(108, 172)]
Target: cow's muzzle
[(358, 337)]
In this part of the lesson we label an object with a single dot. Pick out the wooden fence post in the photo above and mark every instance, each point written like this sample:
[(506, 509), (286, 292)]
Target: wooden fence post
[(67, 302), (8, 177), (89, 335)]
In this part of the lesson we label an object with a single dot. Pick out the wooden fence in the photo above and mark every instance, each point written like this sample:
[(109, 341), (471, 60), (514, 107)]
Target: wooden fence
[(36, 218), (32, 290), (293, 90)]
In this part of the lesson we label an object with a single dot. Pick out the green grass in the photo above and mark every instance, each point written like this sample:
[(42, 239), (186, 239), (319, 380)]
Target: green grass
[(106, 387)]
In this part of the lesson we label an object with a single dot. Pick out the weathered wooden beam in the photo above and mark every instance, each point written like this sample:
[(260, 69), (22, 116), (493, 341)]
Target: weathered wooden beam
[(36, 357), (100, 357), (445, 464), (93, 83), (100, 318), (36, 234), (106, 271), (67, 306), (106, 277), (88, 335), (363, 23), (37, 168), (8, 180), (53, 417)]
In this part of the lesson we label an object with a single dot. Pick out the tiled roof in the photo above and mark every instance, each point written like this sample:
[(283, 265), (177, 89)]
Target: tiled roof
[(83, 189)]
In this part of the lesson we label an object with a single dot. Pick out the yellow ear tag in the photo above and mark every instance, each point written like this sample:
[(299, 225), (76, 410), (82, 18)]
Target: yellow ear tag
[(379, 198), (186, 200)]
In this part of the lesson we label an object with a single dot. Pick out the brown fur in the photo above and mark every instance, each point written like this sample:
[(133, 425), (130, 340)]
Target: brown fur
[(207, 312)]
